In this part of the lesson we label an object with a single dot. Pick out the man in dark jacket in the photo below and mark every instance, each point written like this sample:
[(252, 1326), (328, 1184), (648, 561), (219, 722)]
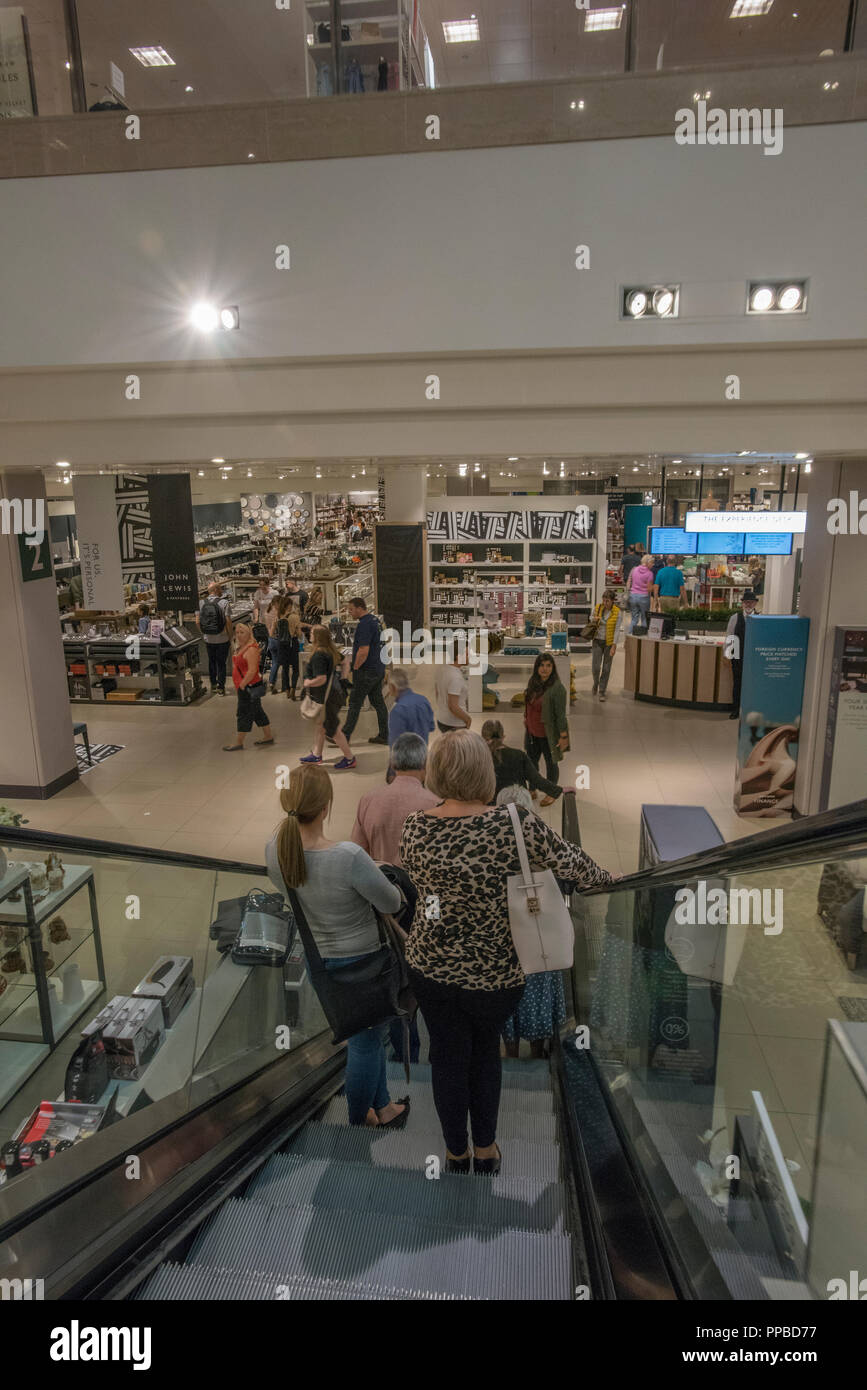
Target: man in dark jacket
[(733, 648)]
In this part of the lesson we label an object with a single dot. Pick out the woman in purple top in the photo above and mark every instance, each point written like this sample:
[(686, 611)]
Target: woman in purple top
[(638, 591)]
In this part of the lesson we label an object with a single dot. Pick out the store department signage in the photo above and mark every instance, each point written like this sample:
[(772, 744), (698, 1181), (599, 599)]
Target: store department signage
[(134, 528), (98, 543), (844, 762), (578, 524), (775, 523), (775, 662), (16, 90), (170, 503)]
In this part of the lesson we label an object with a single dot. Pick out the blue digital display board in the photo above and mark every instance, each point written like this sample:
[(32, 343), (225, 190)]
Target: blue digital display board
[(720, 542), (672, 540), (767, 543)]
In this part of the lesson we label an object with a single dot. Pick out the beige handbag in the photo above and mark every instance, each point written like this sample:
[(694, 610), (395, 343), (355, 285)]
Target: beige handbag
[(539, 919), (311, 709)]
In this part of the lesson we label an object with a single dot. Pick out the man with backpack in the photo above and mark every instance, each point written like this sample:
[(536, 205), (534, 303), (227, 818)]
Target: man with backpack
[(216, 628)]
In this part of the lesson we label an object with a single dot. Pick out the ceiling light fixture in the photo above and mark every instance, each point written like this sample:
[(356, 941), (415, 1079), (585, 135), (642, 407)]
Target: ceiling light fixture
[(748, 9), (650, 301), (206, 317), (807, 468), (201, 472), (189, 89), (218, 460), (153, 56), (461, 30), (595, 21), (777, 297)]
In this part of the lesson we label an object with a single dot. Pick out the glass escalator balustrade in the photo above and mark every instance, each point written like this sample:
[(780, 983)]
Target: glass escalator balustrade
[(119, 991)]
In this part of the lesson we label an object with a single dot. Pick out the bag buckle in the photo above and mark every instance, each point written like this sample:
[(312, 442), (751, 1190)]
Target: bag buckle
[(533, 904)]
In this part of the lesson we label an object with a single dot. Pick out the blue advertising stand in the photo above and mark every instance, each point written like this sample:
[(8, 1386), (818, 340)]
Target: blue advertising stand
[(775, 663)]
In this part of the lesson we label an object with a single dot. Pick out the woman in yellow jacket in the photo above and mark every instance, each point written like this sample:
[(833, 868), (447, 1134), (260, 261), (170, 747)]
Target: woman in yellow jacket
[(605, 641)]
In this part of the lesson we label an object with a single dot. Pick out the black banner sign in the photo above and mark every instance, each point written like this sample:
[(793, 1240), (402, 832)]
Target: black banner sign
[(174, 551)]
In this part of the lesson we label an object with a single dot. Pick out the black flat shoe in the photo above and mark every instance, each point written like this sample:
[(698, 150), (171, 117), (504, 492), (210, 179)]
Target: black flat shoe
[(458, 1165), (487, 1167), (399, 1120)]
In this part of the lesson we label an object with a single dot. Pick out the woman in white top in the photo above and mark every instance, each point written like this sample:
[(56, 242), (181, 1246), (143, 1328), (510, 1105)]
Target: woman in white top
[(451, 698)]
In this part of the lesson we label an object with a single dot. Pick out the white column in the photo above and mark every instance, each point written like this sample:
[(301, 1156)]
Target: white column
[(37, 755), (833, 594)]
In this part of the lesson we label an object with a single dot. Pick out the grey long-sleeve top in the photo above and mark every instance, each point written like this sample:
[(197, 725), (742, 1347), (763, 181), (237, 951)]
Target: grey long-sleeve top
[(343, 887)]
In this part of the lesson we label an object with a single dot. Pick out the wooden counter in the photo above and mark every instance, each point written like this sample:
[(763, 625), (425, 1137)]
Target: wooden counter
[(689, 675)]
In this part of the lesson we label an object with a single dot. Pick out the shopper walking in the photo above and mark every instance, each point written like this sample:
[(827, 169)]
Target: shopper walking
[(381, 813), (339, 889), (311, 614), (546, 731), (733, 647), (263, 594), (631, 558), (411, 713), (604, 645), (670, 586), (639, 586), (285, 646), (322, 683), (513, 768), (463, 967), (451, 697), (541, 1011), (216, 628), (250, 688), (367, 672)]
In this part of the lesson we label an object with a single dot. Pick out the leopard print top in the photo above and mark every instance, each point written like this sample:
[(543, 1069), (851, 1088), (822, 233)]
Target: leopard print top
[(462, 937)]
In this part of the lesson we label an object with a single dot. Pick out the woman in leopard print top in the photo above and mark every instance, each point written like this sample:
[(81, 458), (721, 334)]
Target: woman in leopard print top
[(463, 967)]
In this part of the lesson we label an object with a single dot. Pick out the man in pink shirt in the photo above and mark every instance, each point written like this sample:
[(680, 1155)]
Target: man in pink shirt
[(381, 814)]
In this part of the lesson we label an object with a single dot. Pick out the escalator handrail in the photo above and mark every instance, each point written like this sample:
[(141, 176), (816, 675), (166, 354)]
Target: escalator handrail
[(20, 838), (828, 834)]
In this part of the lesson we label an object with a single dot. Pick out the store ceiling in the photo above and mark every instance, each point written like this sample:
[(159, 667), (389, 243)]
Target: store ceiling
[(230, 52)]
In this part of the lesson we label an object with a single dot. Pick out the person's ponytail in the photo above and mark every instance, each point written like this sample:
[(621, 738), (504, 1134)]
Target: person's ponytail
[(494, 736), (308, 792)]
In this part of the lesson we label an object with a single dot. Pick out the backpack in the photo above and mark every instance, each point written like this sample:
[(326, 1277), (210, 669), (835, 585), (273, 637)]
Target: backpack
[(212, 618)]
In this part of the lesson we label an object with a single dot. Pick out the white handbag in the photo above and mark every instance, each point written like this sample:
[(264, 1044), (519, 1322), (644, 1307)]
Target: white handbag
[(540, 921)]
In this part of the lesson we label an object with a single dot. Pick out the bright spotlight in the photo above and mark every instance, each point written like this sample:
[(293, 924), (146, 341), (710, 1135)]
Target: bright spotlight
[(761, 300), (663, 303), (790, 298), (230, 318), (636, 303), (204, 317)]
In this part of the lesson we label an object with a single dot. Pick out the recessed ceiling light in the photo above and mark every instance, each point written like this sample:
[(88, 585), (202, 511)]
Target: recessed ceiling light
[(201, 472), (218, 460), (761, 300), (802, 456), (227, 468), (153, 56), (513, 458), (62, 463), (746, 9), (461, 30), (597, 20), (189, 89)]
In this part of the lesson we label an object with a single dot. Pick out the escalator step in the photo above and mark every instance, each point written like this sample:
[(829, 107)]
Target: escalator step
[(504, 1203), (411, 1149), (523, 1076), (511, 1124), (536, 1102), (200, 1282), (395, 1251)]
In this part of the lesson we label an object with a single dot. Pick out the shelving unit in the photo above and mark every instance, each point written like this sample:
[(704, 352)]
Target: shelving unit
[(165, 675), (394, 42)]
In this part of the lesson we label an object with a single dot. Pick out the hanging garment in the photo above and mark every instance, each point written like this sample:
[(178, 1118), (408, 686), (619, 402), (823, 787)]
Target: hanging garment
[(382, 76), (324, 82), (354, 76)]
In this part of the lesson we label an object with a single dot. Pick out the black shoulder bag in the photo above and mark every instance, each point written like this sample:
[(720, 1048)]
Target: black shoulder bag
[(367, 992)]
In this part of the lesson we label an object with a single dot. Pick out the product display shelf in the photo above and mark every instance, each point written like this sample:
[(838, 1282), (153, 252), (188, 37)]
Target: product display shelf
[(514, 672), (174, 681), (394, 41), (41, 1015)]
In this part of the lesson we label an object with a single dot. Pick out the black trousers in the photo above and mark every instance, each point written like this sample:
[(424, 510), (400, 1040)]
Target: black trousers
[(465, 1027), (366, 687), (250, 712), (218, 655), (537, 748)]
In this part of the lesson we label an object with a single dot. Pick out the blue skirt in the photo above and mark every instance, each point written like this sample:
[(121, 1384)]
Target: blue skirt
[(542, 1010)]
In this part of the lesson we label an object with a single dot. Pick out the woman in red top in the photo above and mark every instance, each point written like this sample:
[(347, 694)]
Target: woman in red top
[(546, 728), (250, 688)]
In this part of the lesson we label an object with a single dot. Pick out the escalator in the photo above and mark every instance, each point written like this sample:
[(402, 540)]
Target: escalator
[(251, 1184)]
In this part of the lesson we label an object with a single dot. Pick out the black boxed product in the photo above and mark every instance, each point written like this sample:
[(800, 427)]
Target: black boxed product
[(133, 1037), (171, 981)]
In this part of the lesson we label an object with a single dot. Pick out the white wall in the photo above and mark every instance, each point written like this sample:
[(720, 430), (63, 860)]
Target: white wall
[(466, 250)]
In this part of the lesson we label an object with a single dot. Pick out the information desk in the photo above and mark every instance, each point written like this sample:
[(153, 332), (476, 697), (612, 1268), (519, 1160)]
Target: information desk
[(692, 674)]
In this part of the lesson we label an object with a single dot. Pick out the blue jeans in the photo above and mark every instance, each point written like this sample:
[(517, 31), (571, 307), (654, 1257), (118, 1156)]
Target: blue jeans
[(639, 607), (365, 1082)]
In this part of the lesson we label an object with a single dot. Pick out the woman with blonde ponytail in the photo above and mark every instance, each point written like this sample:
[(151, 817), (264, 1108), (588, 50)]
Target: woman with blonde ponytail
[(338, 886)]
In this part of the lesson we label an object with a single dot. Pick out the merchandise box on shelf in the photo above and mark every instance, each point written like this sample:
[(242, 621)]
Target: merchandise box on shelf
[(56, 1121), (133, 1031), (170, 980)]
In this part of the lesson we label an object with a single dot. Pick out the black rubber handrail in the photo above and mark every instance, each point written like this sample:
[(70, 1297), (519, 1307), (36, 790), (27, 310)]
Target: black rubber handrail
[(829, 834), (109, 849)]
